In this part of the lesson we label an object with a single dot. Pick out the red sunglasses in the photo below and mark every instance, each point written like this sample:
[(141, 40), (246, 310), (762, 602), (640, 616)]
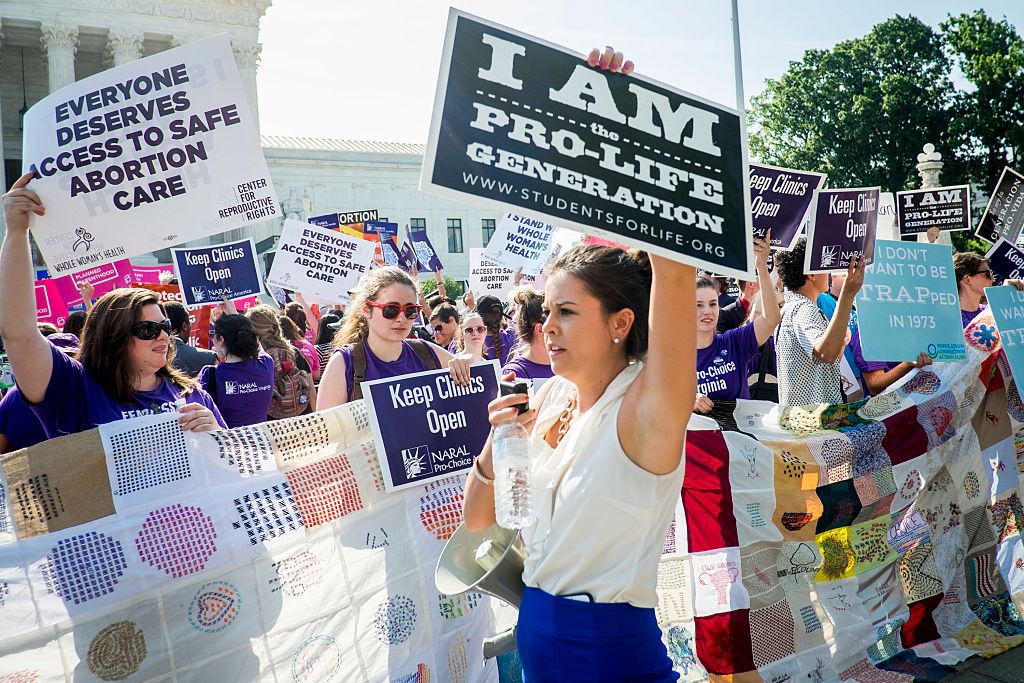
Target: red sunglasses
[(392, 310)]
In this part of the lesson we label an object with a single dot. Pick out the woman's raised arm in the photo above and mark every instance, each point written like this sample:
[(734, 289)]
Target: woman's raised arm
[(657, 407), (27, 350)]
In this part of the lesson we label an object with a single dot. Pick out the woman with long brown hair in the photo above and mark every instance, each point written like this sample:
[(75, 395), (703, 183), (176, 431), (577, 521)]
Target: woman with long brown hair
[(374, 343), (606, 462), (124, 366)]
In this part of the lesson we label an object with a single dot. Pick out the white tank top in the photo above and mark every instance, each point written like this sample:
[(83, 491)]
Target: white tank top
[(601, 519)]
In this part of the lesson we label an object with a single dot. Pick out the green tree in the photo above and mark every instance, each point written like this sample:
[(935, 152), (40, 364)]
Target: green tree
[(989, 117), (452, 287), (860, 111)]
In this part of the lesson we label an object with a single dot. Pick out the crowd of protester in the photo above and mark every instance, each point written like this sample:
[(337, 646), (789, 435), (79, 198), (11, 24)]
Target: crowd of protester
[(615, 334)]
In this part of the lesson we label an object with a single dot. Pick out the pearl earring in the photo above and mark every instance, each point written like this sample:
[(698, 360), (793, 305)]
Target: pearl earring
[(616, 340)]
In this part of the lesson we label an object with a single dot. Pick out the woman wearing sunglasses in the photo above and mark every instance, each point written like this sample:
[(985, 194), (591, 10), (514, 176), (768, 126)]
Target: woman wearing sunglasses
[(124, 366), (374, 343), (472, 335), (973, 275)]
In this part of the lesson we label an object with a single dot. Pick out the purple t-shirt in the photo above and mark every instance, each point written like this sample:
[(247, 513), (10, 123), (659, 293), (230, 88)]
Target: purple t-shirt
[(866, 365), (722, 367), (243, 391), (74, 401), (508, 340), (967, 316), (527, 369), (18, 423), (406, 363)]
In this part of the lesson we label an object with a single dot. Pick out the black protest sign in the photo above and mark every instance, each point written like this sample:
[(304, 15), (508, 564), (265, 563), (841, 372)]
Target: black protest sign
[(779, 201), (520, 122), (1005, 261), (1004, 215), (843, 225), (945, 208)]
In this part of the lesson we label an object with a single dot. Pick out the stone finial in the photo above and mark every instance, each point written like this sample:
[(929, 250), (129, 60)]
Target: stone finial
[(929, 166)]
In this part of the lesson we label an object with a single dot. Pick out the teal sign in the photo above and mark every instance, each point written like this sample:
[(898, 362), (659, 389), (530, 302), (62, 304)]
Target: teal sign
[(909, 304), (1007, 306)]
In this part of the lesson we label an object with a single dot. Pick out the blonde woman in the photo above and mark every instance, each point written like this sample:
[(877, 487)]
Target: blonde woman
[(294, 392), (374, 342), (472, 334)]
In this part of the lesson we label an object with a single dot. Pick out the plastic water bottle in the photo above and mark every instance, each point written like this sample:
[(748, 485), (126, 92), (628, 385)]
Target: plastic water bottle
[(510, 447)]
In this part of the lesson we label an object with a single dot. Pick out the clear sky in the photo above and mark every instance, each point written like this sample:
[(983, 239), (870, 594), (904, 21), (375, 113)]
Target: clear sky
[(367, 69)]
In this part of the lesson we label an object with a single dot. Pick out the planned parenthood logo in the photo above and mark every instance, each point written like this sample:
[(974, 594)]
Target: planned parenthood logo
[(416, 461)]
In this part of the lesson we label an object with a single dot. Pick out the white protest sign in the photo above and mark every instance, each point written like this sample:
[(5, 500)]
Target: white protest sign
[(886, 228), (486, 277), (321, 263), (520, 243), (145, 156)]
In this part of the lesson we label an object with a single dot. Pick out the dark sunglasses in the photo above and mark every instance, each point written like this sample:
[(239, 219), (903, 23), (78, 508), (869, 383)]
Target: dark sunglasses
[(148, 330), (984, 272), (391, 311), (479, 329), (438, 328)]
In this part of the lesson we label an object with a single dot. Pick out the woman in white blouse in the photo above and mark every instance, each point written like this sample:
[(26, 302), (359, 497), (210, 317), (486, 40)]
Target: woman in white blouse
[(607, 437)]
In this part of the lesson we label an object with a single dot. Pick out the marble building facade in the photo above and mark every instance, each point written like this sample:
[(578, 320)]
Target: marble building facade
[(47, 44)]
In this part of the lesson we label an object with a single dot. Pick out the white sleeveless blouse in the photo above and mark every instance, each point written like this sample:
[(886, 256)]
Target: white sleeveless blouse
[(601, 519)]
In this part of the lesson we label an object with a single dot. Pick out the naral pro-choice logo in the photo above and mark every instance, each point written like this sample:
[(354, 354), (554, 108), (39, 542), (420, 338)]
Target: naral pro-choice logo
[(416, 461)]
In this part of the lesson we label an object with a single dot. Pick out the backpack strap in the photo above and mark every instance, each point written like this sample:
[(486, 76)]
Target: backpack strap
[(423, 351), (358, 370)]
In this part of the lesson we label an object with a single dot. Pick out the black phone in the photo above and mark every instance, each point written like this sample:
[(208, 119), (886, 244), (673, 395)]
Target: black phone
[(516, 386)]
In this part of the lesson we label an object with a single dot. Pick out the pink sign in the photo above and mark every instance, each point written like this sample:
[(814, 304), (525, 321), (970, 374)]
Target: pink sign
[(151, 274), (245, 304), (600, 241), (103, 278), (50, 307)]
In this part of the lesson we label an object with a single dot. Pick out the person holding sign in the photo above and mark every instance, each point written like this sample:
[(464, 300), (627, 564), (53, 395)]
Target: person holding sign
[(124, 367), (723, 360), (471, 340), (607, 435), (808, 345), (530, 359), (973, 275), (373, 340), (242, 383)]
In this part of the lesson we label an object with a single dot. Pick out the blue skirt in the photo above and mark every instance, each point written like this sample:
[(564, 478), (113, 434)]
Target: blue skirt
[(566, 640)]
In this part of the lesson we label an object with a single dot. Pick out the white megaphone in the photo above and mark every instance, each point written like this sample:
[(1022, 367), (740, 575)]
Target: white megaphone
[(490, 561)]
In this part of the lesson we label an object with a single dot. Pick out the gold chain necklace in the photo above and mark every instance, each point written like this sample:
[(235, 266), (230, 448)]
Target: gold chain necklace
[(565, 419)]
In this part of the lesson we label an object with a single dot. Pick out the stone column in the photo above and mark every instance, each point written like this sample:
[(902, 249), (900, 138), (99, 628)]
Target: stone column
[(929, 167), (247, 56), (123, 45), (60, 43)]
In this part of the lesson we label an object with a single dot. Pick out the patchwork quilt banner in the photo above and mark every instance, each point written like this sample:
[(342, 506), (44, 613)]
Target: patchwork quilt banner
[(873, 541), (268, 553)]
